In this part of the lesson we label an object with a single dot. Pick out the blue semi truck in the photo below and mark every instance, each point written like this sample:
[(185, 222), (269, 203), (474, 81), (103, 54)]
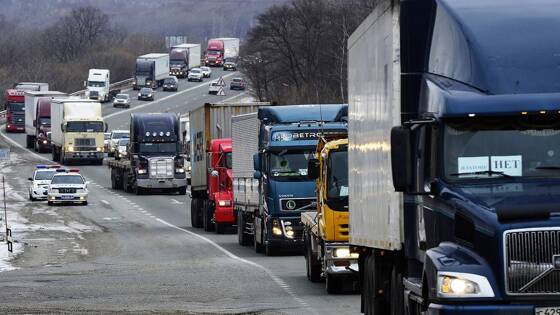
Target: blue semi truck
[(271, 188), (454, 157)]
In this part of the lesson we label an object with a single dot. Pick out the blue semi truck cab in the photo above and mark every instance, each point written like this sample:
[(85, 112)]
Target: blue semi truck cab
[(285, 138), (454, 157)]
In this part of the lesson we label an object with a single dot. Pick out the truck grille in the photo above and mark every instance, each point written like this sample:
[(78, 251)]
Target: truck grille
[(532, 261), (301, 204), (85, 142), (161, 167), (18, 119), (93, 95), (67, 190)]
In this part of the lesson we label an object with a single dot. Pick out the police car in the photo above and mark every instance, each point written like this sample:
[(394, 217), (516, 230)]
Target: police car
[(67, 186), (38, 190)]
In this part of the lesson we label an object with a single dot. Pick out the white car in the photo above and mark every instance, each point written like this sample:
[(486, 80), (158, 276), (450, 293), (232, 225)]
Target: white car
[(214, 88), (117, 135), (38, 190), (122, 100), (121, 151), (67, 186), (206, 71), (195, 75)]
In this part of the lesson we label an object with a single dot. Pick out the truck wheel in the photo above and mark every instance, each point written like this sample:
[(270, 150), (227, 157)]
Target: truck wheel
[(242, 237), (53, 154), (183, 190), (376, 278), (138, 190), (195, 217), (396, 294), (313, 265), (113, 180), (29, 142), (256, 244), (270, 250), (332, 284), (207, 215), (219, 228)]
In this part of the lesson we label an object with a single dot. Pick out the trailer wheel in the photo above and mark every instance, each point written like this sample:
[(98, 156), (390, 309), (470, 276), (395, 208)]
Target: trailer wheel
[(377, 276), (195, 218), (312, 264), (207, 215), (242, 237)]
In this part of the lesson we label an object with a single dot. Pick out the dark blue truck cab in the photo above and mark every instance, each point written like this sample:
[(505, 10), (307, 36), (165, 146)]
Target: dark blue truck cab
[(474, 224), (287, 138)]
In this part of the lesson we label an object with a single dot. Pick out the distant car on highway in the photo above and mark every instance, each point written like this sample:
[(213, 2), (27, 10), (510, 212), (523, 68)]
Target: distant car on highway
[(116, 136), (122, 100), (214, 88), (206, 71), (146, 94), (230, 64), (67, 186), (170, 84), (39, 187), (122, 147), (237, 84), (195, 75)]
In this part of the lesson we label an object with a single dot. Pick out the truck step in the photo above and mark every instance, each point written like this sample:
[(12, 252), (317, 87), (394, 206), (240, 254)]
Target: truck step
[(414, 285)]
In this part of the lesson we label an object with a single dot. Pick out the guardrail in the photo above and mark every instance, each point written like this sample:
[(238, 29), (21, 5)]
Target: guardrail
[(117, 85)]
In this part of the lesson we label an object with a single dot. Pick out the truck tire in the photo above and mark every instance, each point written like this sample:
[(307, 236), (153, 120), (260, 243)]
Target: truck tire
[(114, 184), (257, 244), (53, 153), (270, 250), (29, 142), (182, 190), (219, 228), (242, 238), (333, 284), (196, 220), (376, 277), (207, 215), (312, 264), (138, 190)]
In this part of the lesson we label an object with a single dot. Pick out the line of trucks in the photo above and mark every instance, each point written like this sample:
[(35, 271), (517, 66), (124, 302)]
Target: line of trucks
[(443, 198)]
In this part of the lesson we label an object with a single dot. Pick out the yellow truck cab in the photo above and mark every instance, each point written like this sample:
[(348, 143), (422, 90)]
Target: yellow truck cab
[(327, 253)]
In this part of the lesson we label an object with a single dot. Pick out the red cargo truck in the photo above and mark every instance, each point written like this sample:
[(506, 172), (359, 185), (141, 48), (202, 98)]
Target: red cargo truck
[(15, 110), (219, 49), (220, 193)]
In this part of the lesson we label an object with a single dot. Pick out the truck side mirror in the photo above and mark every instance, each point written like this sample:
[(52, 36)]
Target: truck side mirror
[(85, 83), (401, 158), (63, 127), (34, 122), (106, 127), (214, 173), (257, 175), (256, 162), (313, 168)]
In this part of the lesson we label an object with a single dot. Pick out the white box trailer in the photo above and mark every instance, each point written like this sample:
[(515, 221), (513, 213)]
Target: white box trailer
[(374, 97), (231, 47), (31, 100), (151, 69)]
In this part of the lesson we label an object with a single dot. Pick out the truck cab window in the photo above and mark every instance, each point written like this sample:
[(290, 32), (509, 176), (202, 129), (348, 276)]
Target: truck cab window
[(289, 163)]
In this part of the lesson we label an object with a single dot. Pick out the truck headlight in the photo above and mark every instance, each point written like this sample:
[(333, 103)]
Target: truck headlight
[(344, 252), (180, 170), (276, 228), (141, 171), (224, 203), (70, 148), (463, 285), (99, 149), (45, 141)]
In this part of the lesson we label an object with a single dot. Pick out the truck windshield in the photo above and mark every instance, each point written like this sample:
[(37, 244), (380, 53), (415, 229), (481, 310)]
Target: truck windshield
[(214, 52), (166, 148), (176, 62), (482, 148), (289, 164), (96, 84), (44, 121), (337, 181), (84, 126), (16, 107), (228, 160)]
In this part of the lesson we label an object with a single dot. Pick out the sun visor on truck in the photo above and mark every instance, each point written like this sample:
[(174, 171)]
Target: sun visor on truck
[(158, 127), (521, 211), (297, 113)]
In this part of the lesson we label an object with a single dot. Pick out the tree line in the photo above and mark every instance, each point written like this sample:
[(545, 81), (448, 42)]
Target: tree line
[(62, 53), (297, 52)]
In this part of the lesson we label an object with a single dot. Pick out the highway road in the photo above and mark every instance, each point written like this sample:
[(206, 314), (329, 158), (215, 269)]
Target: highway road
[(138, 254)]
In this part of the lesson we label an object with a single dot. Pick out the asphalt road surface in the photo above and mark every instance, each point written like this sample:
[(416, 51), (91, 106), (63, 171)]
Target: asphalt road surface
[(138, 254)]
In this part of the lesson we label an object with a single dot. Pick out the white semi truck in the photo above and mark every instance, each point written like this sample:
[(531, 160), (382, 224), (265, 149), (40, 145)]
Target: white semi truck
[(77, 132), (98, 85)]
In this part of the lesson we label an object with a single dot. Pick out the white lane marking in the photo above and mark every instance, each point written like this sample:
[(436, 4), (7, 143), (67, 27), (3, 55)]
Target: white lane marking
[(106, 202), (20, 146), (176, 202), (231, 255), (202, 84)]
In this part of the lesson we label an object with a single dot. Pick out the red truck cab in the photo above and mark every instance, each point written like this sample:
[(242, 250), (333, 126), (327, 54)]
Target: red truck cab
[(220, 183), (43, 125), (214, 53), (15, 110)]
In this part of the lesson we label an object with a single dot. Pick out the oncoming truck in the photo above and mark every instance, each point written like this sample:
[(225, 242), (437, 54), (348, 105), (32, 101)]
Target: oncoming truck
[(271, 192), (211, 150), (77, 132), (154, 160), (327, 252), (454, 179)]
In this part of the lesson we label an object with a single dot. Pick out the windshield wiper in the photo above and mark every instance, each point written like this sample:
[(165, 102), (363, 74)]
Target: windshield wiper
[(483, 173), (548, 167)]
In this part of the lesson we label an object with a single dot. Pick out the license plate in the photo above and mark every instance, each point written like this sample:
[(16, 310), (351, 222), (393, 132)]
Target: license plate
[(68, 197), (547, 310)]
